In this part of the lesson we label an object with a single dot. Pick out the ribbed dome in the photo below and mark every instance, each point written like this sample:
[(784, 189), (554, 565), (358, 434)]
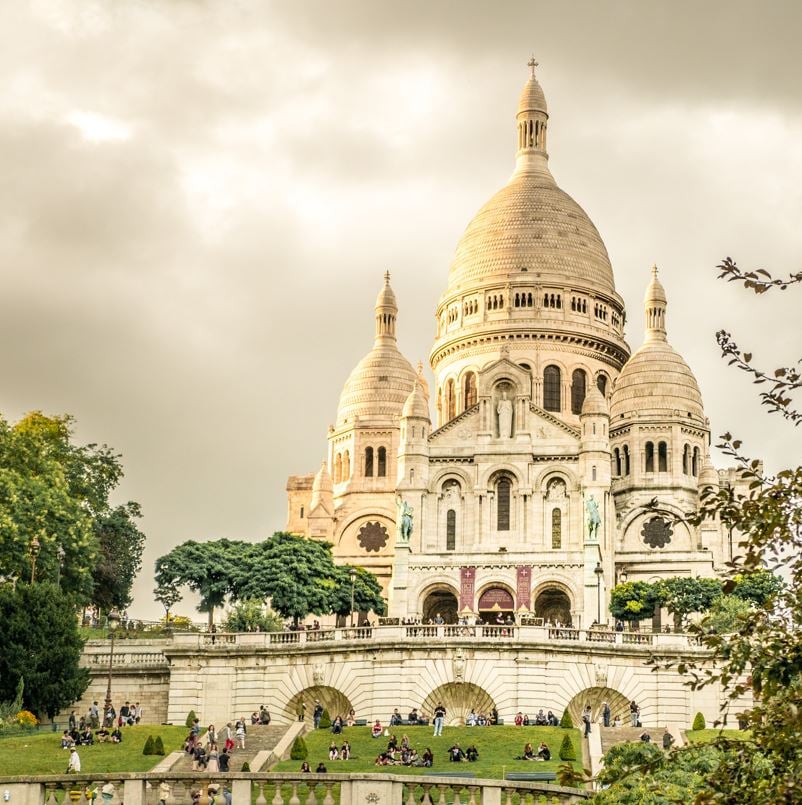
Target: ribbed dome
[(532, 98), (532, 225), (656, 380), (594, 403), (415, 404)]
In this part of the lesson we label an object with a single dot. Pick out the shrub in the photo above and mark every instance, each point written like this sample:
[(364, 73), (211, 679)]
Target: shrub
[(325, 720), (698, 722), (566, 722), (25, 718), (190, 718), (567, 749), (158, 746), (245, 766), (299, 750), (150, 748)]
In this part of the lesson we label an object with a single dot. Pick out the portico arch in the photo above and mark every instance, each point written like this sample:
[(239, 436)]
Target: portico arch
[(552, 602), (439, 599), (595, 697), (494, 599), (333, 700), (459, 698)]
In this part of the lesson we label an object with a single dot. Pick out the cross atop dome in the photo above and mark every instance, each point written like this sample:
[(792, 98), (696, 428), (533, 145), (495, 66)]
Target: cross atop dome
[(532, 64), (387, 277)]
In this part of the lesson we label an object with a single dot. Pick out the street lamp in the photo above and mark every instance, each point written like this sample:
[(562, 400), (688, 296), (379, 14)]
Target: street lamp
[(34, 549), (352, 574), (60, 554), (598, 570), (113, 621)]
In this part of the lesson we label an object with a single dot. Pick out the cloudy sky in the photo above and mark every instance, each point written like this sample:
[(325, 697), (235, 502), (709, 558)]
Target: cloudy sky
[(198, 201)]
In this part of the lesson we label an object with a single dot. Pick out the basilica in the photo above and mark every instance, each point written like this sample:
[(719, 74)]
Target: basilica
[(519, 487)]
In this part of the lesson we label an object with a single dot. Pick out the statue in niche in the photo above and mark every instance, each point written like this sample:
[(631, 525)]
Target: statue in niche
[(451, 495), (556, 490), (594, 519), (504, 411), (318, 673), (459, 666), (404, 519)]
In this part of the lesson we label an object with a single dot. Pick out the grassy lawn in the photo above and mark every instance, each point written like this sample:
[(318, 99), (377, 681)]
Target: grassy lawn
[(497, 746), (704, 736), (41, 753)]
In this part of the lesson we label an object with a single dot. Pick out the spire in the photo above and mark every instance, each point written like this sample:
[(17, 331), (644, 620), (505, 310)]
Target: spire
[(386, 312), (532, 116), (322, 489), (655, 304)]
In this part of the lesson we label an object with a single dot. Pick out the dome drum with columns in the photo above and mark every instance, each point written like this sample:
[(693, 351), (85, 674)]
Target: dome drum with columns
[(529, 474)]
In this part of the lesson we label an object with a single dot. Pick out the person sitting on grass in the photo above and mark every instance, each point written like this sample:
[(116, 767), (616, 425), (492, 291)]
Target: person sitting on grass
[(345, 751), (519, 719), (86, 737), (102, 735), (472, 754), (471, 719), (428, 758), (376, 729), (455, 754), (552, 720), (337, 725), (66, 740), (413, 716), (116, 736), (334, 752), (543, 752), (405, 741), (540, 718), (321, 768), (527, 722), (529, 753), (306, 768), (392, 744)]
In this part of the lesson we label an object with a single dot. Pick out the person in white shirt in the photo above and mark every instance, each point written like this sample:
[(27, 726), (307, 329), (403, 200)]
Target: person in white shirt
[(75, 762)]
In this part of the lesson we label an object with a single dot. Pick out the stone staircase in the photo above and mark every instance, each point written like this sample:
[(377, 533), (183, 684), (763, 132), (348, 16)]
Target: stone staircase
[(259, 739)]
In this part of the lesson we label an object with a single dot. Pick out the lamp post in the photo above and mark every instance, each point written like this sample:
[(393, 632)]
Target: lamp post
[(352, 574), (34, 549), (113, 621), (598, 570), (60, 554)]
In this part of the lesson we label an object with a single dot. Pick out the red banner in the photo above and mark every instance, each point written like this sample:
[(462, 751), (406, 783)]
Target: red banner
[(467, 581), (524, 586)]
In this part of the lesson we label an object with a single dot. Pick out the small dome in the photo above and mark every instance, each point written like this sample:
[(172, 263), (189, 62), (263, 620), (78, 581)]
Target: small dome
[(415, 405), (655, 292), (708, 476), (386, 296), (656, 380), (532, 98), (594, 402), (322, 482)]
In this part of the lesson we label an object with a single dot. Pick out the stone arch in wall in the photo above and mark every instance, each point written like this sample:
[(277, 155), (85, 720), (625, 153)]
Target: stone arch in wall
[(442, 599), (552, 602), (595, 697), (459, 698), (333, 700)]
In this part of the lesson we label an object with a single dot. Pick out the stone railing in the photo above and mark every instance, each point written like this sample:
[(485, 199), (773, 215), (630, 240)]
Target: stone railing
[(282, 789), (393, 634), (134, 654)]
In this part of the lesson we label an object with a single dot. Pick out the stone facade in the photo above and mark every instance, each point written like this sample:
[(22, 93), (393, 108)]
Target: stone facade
[(529, 488)]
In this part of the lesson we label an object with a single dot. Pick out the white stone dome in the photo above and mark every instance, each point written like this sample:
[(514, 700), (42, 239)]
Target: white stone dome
[(594, 403), (415, 405)]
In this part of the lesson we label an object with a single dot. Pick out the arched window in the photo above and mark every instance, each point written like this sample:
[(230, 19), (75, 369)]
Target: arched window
[(302, 512), (338, 468), (346, 465), (662, 457), (695, 462), (368, 462), (556, 529), (469, 390), (551, 388), (382, 462), (601, 384), (626, 459), (649, 456), (451, 530), (686, 460), (451, 400), (577, 391), (593, 473), (439, 406), (617, 455), (503, 501)]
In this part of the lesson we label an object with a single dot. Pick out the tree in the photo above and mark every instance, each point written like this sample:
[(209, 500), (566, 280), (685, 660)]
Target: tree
[(566, 722), (119, 556), (760, 588), (250, 616), (682, 595), (168, 596), (58, 492), (567, 751), (149, 748), (698, 722), (633, 601), (298, 575), (39, 642), (207, 568), (299, 749), (727, 614), (367, 592)]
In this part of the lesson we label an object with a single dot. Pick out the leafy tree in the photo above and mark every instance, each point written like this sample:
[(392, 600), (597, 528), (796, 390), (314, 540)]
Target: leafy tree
[(298, 575), (168, 596), (119, 556), (633, 601), (299, 749), (698, 722), (207, 568), (727, 614), (682, 595), (250, 615), (39, 642), (567, 751), (760, 587), (566, 722), (367, 592)]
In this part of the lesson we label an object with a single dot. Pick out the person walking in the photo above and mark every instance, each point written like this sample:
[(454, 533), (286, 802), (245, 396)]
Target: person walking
[(317, 713), (634, 713), (586, 719), (439, 718), (668, 740), (74, 765), (240, 732), (606, 714)]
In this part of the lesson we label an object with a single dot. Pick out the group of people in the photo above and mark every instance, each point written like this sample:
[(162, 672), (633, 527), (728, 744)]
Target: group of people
[(340, 753), (76, 737), (204, 749), (529, 753), (540, 720), (403, 754), (457, 755)]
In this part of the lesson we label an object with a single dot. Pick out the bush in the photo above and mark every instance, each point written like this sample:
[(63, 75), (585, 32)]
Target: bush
[(190, 718), (299, 750), (158, 746), (567, 749), (566, 722), (245, 766), (698, 722), (325, 720), (25, 718), (150, 748)]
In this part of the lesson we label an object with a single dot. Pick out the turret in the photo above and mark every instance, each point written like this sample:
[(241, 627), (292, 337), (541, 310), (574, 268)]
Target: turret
[(321, 508), (413, 449)]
